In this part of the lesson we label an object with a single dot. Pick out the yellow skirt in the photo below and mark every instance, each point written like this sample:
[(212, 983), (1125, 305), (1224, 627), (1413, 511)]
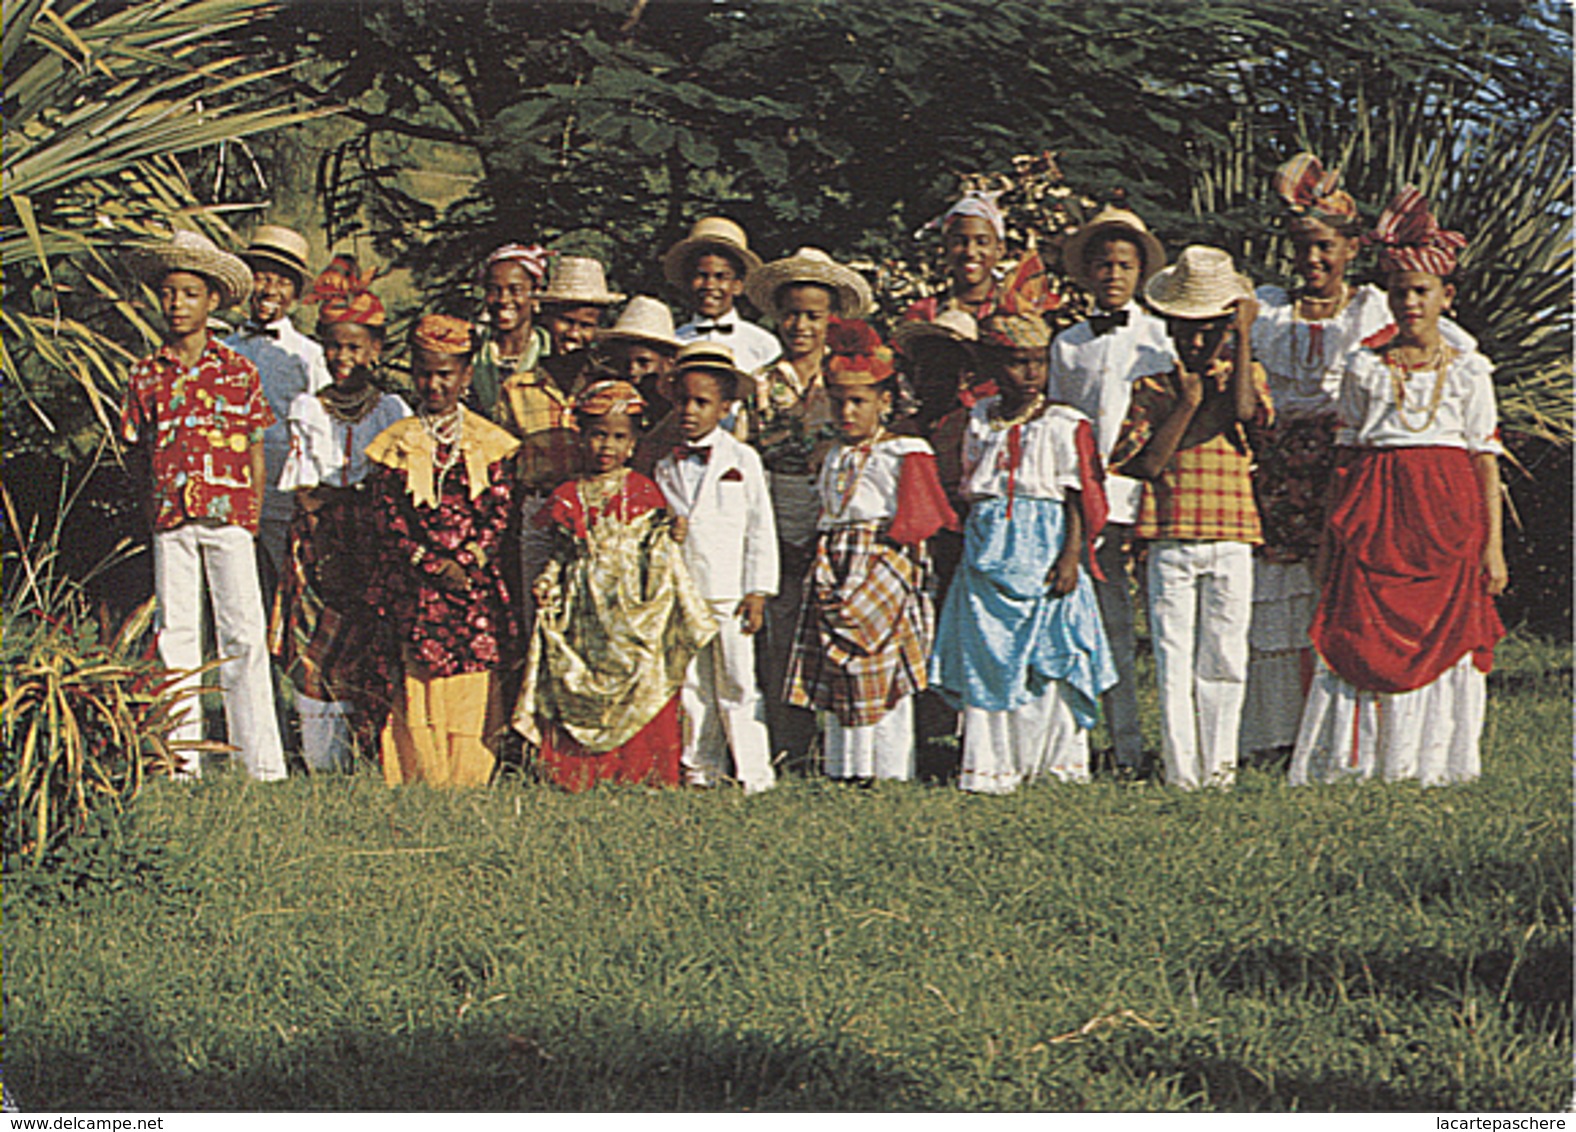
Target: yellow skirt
[(442, 728)]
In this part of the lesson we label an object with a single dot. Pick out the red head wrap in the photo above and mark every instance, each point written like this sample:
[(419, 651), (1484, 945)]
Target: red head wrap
[(442, 334), (612, 396), (533, 259), (1310, 191), (342, 290), (1410, 239), (855, 353)]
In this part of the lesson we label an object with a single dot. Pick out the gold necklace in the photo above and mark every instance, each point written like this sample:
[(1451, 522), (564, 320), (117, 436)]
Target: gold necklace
[(1335, 303), (1401, 373), (1031, 409)]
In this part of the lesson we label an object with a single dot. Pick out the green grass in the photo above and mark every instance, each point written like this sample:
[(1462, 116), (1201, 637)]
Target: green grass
[(332, 944)]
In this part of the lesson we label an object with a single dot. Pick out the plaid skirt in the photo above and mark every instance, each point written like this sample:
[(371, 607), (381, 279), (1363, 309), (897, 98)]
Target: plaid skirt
[(865, 628), (329, 641)]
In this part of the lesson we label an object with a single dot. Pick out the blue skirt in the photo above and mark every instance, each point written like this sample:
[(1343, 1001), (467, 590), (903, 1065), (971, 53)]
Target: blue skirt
[(1004, 635)]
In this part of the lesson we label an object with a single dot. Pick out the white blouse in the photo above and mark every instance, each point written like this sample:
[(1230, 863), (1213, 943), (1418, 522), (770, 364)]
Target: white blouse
[(1466, 417), (859, 485), (326, 451), (1048, 464)]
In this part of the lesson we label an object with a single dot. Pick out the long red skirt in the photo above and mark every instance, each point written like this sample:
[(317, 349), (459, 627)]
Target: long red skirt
[(651, 758), (1405, 597)]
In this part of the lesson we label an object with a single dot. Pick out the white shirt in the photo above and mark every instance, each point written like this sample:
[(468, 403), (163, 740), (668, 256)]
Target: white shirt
[(688, 473), (1466, 417), (1095, 374), (860, 485), (1049, 455), (289, 365), (326, 451), (752, 347)]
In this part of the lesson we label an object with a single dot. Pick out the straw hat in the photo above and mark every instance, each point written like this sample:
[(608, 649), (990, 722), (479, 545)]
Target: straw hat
[(1116, 221), (644, 320), (196, 253), (1203, 284), (274, 246), (713, 233), (809, 265), (708, 356), (949, 326), (579, 279)]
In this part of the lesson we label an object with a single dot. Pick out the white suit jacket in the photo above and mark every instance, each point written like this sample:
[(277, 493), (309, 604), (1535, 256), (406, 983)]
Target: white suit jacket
[(731, 549)]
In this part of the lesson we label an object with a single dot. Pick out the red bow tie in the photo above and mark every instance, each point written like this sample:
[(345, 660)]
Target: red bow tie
[(682, 452)]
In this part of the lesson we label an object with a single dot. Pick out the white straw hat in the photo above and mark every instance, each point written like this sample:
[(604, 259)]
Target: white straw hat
[(579, 279), (196, 253), (950, 325), (809, 265), (1114, 221), (1203, 284), (712, 233), (700, 354), (644, 320), (273, 245)]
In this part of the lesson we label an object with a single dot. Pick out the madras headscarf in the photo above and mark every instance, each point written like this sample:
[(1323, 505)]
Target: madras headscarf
[(611, 396), (1309, 190), (975, 202), (1015, 332), (1410, 239), (342, 290), (442, 334), (855, 354), (533, 259)]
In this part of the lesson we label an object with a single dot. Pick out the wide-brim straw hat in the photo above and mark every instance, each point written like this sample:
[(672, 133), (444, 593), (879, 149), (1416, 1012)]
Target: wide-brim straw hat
[(1204, 283), (1113, 221), (196, 253), (273, 245), (809, 265), (579, 279), (713, 233), (701, 354), (953, 326), (644, 320)]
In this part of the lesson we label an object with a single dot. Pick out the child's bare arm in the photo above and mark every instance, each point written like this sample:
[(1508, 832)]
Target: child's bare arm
[(1495, 572), (259, 469), (1244, 397), (1063, 575), (1165, 441)]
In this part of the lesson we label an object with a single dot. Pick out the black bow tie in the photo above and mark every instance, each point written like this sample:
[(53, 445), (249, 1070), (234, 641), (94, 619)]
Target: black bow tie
[(258, 330), (1105, 323), (715, 328), (682, 452)]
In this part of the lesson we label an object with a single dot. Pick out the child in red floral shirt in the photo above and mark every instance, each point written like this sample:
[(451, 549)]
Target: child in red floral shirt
[(195, 411)]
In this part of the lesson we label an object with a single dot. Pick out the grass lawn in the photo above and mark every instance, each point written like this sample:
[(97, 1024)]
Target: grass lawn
[(329, 943)]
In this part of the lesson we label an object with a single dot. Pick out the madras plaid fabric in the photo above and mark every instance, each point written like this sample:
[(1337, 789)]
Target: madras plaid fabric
[(535, 409), (865, 629), (1206, 491)]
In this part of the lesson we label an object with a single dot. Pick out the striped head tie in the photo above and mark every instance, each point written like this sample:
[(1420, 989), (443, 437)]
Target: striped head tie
[(1410, 239), (1309, 190)]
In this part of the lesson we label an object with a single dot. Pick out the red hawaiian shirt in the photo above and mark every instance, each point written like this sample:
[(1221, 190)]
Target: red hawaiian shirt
[(203, 422)]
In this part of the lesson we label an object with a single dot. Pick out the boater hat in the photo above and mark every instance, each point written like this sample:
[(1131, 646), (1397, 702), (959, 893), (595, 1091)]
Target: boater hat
[(579, 280), (1203, 284), (809, 265), (274, 246), (645, 320), (196, 253), (949, 326), (711, 234), (1113, 221), (712, 356)]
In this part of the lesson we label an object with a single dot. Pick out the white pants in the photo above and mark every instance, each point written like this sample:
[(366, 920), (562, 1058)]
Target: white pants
[(224, 555), (723, 709), (1200, 604), (1429, 734), (1002, 749), (884, 749)]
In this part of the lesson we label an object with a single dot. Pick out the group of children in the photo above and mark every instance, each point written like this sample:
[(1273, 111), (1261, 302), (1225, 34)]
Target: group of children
[(585, 530)]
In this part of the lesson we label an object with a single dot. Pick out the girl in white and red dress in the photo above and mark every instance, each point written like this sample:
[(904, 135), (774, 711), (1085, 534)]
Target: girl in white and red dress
[(865, 629), (1303, 338), (1412, 556)]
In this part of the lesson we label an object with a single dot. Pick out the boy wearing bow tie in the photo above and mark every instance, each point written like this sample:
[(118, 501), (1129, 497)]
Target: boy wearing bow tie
[(709, 268), (1093, 367), (716, 487)]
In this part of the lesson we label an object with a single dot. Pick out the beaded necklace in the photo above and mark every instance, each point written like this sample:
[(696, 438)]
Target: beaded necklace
[(447, 433), (1401, 373)]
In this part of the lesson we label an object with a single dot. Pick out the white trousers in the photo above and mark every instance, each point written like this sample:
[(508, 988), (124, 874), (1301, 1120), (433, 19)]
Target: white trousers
[(1002, 749), (225, 557), (1200, 605), (884, 749), (723, 709)]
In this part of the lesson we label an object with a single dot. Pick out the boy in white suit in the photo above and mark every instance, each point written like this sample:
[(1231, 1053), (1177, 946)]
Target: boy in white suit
[(716, 487)]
